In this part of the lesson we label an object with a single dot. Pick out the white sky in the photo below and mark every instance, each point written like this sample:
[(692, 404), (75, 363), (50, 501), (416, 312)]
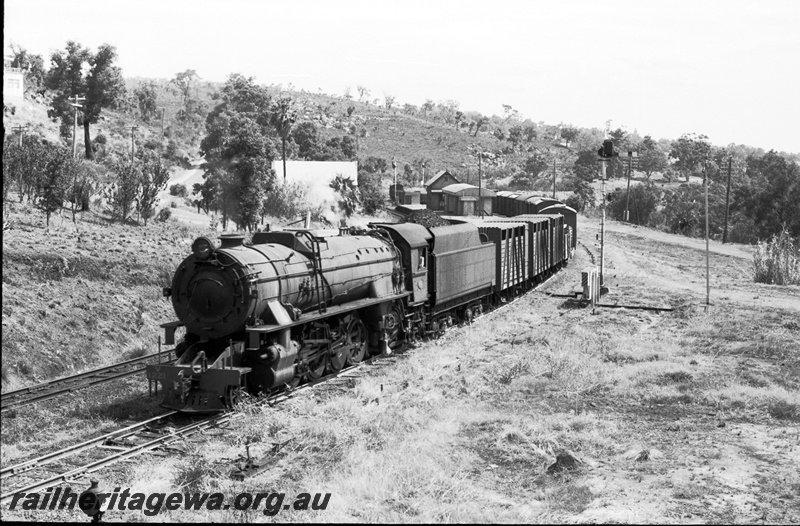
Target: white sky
[(727, 68)]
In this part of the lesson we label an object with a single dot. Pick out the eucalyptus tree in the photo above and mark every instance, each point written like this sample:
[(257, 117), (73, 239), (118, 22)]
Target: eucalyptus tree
[(76, 71)]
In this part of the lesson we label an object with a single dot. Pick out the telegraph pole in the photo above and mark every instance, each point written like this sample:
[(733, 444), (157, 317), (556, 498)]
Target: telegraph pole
[(74, 104), (163, 110), (480, 186), (626, 216), (708, 279), (554, 177), (727, 200)]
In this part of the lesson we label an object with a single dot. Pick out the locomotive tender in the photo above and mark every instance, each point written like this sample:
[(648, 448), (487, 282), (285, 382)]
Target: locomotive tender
[(295, 304)]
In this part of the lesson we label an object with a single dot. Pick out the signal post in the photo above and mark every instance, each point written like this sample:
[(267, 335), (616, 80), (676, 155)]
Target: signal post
[(605, 152)]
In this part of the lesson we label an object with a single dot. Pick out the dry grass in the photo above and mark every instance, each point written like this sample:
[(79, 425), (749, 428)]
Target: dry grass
[(777, 262)]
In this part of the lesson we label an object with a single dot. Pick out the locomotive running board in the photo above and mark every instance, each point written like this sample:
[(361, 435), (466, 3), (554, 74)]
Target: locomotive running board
[(331, 311)]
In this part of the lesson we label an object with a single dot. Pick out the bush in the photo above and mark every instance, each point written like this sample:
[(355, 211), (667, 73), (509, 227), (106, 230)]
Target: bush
[(372, 195), (643, 202), (163, 215), (178, 190), (575, 202), (777, 262)]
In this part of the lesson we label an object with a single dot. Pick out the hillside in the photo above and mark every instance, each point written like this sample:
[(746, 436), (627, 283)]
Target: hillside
[(683, 416)]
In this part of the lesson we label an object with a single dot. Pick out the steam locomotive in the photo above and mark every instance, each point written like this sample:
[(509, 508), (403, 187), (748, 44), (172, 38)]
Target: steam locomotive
[(294, 304)]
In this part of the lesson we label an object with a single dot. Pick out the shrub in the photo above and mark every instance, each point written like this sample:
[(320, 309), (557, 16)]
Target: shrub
[(372, 196), (163, 215), (777, 262), (178, 190), (642, 203)]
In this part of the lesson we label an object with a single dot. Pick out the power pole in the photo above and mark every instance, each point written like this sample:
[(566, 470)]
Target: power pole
[(727, 200), (554, 177), (708, 282), (626, 215), (74, 104), (133, 141), (163, 110), (480, 154)]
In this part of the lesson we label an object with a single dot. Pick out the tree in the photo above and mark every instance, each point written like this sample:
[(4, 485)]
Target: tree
[(516, 136), (178, 190), (534, 165), (642, 201), (586, 165), (509, 113), (348, 194), (583, 196), (651, 157), (85, 180), (569, 134), (363, 93), (409, 109), (23, 165), (388, 100), (78, 71), (690, 151), (373, 165), (154, 178), (147, 99), (427, 106), (459, 116), (122, 194), (620, 138), (283, 118), (306, 137), (52, 186), (772, 194), (239, 149), (184, 82), (371, 192), (480, 122)]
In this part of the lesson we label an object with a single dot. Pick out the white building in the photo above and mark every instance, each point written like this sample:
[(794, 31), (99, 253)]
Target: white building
[(316, 175), (13, 85)]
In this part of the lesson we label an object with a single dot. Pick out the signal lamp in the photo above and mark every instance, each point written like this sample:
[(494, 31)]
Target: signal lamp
[(608, 148), (202, 248)]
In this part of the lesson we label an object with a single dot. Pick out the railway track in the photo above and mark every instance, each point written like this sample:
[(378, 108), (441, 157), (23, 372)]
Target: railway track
[(48, 470), (123, 444), (69, 384)]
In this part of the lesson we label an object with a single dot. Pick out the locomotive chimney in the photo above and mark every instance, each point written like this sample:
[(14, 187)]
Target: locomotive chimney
[(231, 240)]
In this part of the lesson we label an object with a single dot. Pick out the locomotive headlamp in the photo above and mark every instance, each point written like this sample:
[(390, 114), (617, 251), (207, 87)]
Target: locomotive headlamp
[(197, 368), (202, 248)]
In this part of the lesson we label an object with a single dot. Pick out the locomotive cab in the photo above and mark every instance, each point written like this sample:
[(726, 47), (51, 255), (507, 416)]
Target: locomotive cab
[(413, 241)]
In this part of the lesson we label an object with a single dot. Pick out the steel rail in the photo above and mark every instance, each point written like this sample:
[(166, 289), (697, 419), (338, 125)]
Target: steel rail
[(28, 465), (132, 451), (18, 398), (124, 455)]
